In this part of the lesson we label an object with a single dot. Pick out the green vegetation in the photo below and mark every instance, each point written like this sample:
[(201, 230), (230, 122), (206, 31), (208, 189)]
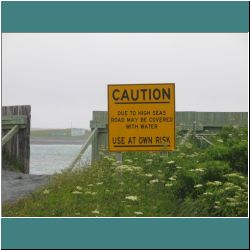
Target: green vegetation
[(192, 181)]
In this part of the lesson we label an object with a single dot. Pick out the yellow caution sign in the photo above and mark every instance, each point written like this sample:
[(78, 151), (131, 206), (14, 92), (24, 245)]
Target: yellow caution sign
[(141, 117)]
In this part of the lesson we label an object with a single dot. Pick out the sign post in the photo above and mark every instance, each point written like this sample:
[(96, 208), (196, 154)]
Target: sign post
[(141, 117)]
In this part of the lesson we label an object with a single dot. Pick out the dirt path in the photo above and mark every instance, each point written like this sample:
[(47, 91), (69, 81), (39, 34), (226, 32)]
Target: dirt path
[(17, 185)]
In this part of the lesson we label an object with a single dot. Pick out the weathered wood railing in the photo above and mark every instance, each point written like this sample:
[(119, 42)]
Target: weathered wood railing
[(185, 137), (16, 135), (186, 121), (14, 123), (200, 137), (82, 150)]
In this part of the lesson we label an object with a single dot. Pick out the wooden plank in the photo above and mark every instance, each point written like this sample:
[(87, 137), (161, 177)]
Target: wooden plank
[(204, 139), (8, 127), (96, 124), (82, 150), (185, 137), (9, 135), (14, 120)]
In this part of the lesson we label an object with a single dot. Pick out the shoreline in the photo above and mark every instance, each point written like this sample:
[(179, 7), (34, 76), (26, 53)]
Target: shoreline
[(56, 140)]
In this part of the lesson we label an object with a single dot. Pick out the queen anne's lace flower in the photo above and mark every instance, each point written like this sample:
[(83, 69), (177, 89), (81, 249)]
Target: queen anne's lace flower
[(132, 198)]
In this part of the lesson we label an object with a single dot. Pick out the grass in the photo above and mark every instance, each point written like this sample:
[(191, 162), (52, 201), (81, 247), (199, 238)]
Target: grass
[(193, 181)]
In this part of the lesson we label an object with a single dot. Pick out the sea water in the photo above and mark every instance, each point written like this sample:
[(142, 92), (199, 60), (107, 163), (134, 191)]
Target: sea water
[(50, 159)]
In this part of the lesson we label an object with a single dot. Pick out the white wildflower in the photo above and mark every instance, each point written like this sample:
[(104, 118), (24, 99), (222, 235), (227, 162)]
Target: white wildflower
[(214, 183), (173, 178), (217, 183), (128, 161), (188, 145), (168, 185), (171, 162), (230, 199), (154, 181), (99, 183), (138, 213), (78, 188), (208, 194), (199, 170), (123, 168), (132, 198), (231, 204), (198, 186), (46, 191), (235, 175), (76, 192), (136, 168), (90, 193)]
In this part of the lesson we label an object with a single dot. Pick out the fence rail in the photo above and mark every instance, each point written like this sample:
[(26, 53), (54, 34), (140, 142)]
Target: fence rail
[(82, 150), (191, 122)]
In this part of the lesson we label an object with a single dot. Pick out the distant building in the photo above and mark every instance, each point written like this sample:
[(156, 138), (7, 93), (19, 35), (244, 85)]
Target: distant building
[(77, 131)]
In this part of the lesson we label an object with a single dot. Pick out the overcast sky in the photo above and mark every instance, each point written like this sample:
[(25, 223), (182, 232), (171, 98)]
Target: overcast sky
[(64, 77)]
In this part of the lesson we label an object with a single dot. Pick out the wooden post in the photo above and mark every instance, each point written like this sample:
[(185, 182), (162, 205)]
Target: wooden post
[(194, 128), (18, 148), (119, 157), (100, 142), (82, 150)]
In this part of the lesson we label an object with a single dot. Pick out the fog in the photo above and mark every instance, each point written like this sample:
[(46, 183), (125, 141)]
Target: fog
[(64, 76)]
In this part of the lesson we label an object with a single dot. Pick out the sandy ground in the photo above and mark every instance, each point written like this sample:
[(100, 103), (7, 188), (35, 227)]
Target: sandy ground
[(17, 185)]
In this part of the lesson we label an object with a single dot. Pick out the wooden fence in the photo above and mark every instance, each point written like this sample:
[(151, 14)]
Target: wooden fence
[(190, 121), (210, 120), (16, 135), (184, 120)]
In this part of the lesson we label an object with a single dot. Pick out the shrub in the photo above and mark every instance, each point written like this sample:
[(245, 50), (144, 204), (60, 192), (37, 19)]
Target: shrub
[(238, 157), (218, 152), (184, 184), (215, 170)]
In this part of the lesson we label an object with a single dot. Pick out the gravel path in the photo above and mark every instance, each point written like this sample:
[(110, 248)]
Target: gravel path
[(17, 185)]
